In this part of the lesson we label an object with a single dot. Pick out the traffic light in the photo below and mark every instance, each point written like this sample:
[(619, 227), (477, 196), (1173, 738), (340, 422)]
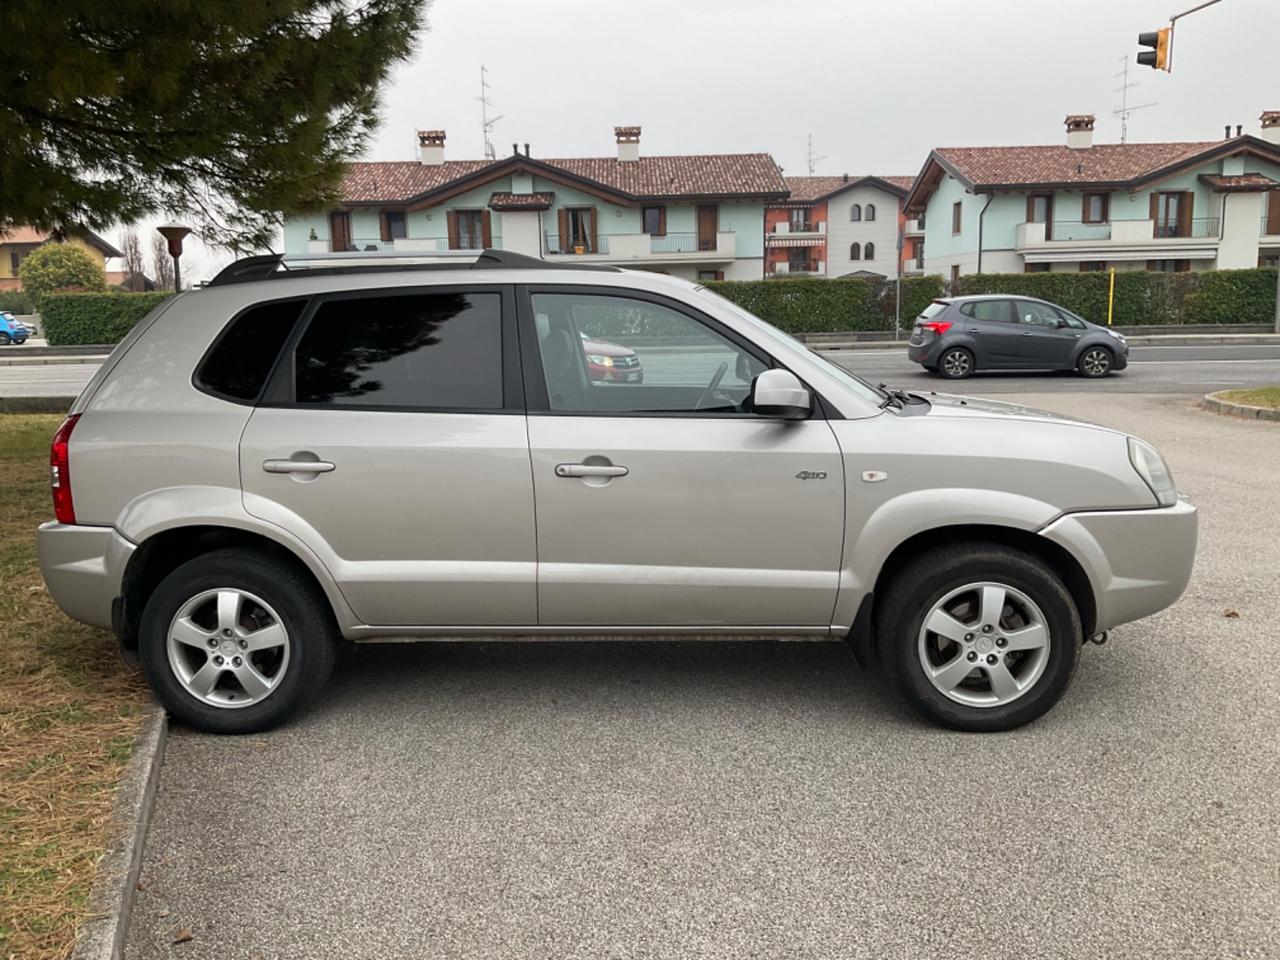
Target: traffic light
[(1158, 41)]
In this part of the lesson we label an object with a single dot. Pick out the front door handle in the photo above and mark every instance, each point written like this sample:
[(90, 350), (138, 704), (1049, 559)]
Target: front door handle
[(297, 466), (973, 330), (590, 470), (1027, 334)]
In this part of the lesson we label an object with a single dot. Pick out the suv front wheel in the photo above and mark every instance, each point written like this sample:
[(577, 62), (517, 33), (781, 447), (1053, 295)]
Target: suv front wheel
[(236, 641), (979, 636)]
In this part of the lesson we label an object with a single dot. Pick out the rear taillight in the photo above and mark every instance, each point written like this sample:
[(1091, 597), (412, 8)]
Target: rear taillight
[(60, 471), (937, 326)]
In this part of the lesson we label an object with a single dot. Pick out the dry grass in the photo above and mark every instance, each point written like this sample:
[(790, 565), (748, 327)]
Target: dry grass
[(1261, 397), (69, 711)]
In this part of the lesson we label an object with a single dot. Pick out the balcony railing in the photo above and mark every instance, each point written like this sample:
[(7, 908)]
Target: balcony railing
[(362, 245), (1196, 227), (581, 246), (1065, 230), (784, 268), (675, 243)]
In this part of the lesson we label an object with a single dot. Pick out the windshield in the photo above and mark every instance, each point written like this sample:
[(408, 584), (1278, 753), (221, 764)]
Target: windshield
[(851, 380)]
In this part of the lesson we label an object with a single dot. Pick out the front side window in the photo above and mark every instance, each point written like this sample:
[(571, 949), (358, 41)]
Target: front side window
[(612, 355), (1037, 314), (239, 363), (433, 350)]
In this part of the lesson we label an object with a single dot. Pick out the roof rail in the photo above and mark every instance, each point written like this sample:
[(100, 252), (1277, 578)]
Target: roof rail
[(272, 266)]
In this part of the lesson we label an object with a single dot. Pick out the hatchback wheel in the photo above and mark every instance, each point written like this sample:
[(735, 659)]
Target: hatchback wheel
[(979, 637), (4, 339), (236, 641), (1094, 362), (956, 363)]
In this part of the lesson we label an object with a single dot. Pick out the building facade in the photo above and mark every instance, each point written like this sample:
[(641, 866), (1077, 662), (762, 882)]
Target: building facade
[(836, 227), (1080, 206), (700, 217), (17, 242)]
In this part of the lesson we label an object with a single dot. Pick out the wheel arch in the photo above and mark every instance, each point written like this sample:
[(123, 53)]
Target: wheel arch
[(163, 551)]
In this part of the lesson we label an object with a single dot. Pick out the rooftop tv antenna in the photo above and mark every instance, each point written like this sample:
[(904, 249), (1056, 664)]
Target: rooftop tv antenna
[(1125, 110), (486, 121), (809, 158)]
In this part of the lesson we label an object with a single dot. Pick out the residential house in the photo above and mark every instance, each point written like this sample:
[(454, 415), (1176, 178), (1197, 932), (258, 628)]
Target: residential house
[(132, 282), (700, 217), (17, 242), (1085, 206), (836, 226)]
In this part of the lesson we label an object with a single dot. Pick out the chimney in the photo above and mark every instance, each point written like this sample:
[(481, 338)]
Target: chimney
[(846, 179), (1239, 129), (628, 143), (1080, 131), (1226, 132), (431, 147), (526, 149), (1271, 126)]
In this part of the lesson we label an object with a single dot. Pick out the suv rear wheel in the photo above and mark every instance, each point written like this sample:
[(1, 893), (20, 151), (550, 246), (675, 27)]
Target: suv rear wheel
[(236, 641), (979, 636)]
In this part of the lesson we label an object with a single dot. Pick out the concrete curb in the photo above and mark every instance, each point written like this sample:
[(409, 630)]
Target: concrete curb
[(115, 885), (43, 360), (1214, 404), (35, 404)]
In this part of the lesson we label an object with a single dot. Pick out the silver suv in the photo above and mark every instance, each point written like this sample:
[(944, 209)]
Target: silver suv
[(358, 450)]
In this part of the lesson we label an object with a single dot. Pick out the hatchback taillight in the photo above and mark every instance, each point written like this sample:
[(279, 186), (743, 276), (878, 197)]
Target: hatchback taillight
[(60, 471), (937, 326)]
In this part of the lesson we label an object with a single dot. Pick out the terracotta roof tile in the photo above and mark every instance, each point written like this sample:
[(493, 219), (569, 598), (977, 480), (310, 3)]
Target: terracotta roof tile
[(698, 175), (23, 234), (1103, 163), (815, 188), (1238, 182)]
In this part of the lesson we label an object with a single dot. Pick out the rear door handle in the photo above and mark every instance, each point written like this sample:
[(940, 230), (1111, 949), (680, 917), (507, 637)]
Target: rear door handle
[(1027, 334), (589, 470), (297, 466), (973, 329)]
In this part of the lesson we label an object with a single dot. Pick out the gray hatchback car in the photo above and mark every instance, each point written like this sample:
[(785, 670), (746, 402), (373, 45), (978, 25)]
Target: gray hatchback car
[(354, 449), (957, 336)]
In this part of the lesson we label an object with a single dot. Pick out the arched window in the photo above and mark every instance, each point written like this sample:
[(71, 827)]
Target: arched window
[(855, 251), (871, 214), (855, 212), (870, 253)]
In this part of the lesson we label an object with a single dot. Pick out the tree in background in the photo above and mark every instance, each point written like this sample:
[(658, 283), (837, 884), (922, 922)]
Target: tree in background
[(161, 263), (134, 264), (223, 112), (60, 266)]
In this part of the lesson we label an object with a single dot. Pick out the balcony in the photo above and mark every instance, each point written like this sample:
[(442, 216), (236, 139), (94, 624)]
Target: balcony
[(581, 247), (914, 228), (913, 268), (670, 248), (788, 233), (401, 245), (1068, 241), (798, 268)]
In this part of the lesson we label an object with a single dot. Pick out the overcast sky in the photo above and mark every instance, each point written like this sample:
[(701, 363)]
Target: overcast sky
[(877, 84)]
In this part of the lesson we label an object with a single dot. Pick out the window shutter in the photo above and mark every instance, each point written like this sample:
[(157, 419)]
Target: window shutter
[(563, 216), (719, 274), (453, 229), (1155, 206), (1273, 212), (486, 229), (384, 226), (1186, 203), (1031, 207), (595, 243), (662, 221)]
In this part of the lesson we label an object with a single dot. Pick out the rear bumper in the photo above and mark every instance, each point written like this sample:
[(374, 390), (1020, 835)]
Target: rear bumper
[(1139, 561), (926, 352), (83, 569)]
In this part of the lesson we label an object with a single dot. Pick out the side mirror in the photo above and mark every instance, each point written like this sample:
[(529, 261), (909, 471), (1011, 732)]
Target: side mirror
[(779, 393), (1061, 323)]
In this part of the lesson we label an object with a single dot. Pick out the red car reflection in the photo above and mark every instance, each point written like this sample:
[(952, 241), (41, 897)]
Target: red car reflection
[(611, 362)]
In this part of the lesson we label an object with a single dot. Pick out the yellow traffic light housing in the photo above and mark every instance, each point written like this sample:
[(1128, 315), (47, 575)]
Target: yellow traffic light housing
[(1159, 41)]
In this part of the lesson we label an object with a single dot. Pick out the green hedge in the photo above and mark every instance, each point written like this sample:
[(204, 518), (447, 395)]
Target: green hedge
[(814, 305), (1143, 297), (79, 318), (16, 301)]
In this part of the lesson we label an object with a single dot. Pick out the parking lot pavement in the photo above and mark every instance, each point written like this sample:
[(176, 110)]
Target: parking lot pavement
[(762, 800)]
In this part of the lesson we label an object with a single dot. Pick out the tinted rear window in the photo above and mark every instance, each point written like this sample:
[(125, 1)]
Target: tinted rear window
[(438, 351), (992, 311), (239, 363), (932, 310)]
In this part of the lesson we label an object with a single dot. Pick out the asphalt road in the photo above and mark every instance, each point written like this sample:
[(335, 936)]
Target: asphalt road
[(1197, 370), (764, 800)]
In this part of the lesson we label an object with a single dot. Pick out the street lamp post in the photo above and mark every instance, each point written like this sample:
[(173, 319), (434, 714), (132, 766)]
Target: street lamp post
[(173, 233)]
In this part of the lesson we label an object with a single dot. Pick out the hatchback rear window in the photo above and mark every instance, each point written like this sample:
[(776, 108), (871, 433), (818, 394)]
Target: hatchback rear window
[(932, 310), (240, 361)]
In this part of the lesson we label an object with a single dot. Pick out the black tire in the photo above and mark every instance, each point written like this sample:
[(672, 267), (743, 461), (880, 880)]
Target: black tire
[(4, 339), (928, 579), (955, 363), (302, 608), (1095, 362), (21, 342)]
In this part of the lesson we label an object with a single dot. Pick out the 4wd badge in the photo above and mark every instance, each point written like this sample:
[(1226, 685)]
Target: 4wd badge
[(811, 475)]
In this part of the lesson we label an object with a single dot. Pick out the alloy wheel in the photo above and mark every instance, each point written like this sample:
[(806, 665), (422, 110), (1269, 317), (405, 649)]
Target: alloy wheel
[(984, 644), (228, 647), (956, 364), (1095, 362)]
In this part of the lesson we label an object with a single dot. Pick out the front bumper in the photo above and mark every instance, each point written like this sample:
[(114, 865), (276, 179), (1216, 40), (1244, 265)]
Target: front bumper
[(83, 569), (1139, 561)]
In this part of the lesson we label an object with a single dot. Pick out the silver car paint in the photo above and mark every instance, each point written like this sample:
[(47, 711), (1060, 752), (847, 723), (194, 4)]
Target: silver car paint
[(152, 453)]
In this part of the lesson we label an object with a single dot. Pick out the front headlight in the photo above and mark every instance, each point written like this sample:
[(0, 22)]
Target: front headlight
[(1154, 471), (1118, 336), (599, 360)]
